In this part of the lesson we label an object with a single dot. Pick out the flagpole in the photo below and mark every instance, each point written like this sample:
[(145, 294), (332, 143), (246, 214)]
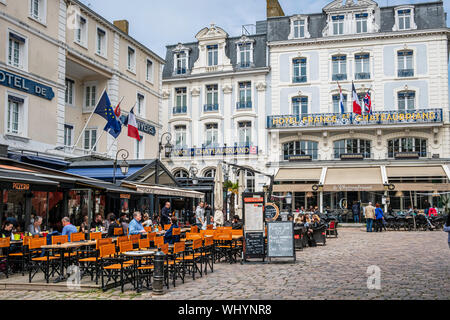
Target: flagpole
[(115, 140), (90, 117), (98, 140)]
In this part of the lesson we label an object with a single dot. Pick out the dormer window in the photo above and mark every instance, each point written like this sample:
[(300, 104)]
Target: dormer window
[(213, 55), (299, 27), (338, 24), (245, 51), (361, 22), (181, 63), (404, 19)]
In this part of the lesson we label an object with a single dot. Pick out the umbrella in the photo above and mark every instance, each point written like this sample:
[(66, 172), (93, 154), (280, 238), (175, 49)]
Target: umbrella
[(218, 196), (241, 190)]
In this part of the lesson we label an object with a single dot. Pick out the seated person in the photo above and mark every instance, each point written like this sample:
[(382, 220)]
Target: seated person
[(97, 223), (112, 225), (7, 230), (67, 230), (135, 226), (35, 228), (236, 223), (168, 237)]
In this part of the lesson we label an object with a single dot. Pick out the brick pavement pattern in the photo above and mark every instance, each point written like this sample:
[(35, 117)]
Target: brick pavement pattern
[(414, 265)]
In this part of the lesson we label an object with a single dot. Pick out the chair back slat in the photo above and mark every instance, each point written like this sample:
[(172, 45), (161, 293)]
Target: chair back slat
[(26, 240), (102, 242), (107, 250), (134, 238), (37, 243), (5, 242), (179, 247), (194, 229), (167, 226), (209, 242), (197, 244), (239, 232), (60, 239), (151, 236), (122, 239), (75, 237), (118, 231), (95, 235), (159, 241), (176, 231), (144, 243), (125, 246), (194, 236), (164, 248)]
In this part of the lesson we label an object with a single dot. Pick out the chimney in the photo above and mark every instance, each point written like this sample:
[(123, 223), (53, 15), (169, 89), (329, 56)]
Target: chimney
[(274, 9), (123, 25)]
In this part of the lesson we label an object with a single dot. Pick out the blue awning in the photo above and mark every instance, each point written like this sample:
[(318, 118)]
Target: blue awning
[(48, 160), (105, 174)]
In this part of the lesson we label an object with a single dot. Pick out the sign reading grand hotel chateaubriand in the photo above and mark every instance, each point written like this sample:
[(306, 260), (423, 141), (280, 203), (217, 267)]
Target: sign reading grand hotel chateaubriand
[(218, 151), (337, 119)]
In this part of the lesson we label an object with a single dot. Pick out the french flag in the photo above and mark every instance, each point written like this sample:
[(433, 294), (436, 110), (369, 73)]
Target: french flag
[(368, 103), (356, 103), (133, 131), (341, 99)]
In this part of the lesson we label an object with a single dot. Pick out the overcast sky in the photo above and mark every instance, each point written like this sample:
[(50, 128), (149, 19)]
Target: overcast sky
[(157, 23)]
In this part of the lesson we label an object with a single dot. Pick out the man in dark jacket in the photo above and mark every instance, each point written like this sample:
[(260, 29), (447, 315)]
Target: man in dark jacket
[(112, 225), (356, 211), (236, 224), (168, 236), (165, 214)]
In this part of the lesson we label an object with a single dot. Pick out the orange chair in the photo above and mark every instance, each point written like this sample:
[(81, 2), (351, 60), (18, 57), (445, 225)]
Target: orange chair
[(224, 244), (90, 265), (5, 243), (19, 257), (194, 229), (46, 263), (134, 238), (176, 232), (122, 239), (209, 254), (167, 226), (76, 237), (175, 262), (148, 229), (118, 231), (60, 239), (194, 236), (151, 236), (144, 243), (114, 269), (159, 241), (126, 246), (95, 235), (209, 227), (195, 258)]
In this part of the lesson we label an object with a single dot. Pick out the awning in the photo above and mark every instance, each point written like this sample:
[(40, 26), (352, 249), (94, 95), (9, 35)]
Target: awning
[(109, 187), (354, 179), (12, 178), (105, 173), (293, 187), (294, 174), (165, 191), (410, 172)]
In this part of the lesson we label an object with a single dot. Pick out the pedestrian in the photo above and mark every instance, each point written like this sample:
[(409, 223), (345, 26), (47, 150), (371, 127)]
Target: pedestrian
[(124, 222), (370, 216), (200, 216), (432, 212), (379, 216), (166, 214), (447, 229), (356, 211), (427, 206)]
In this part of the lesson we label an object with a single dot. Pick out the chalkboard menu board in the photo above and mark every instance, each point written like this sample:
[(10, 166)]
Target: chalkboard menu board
[(280, 240), (271, 212), (254, 245)]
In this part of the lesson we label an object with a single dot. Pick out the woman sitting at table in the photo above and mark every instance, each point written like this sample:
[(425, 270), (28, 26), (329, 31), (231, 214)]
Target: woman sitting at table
[(168, 237), (112, 225), (35, 228), (85, 225), (7, 230)]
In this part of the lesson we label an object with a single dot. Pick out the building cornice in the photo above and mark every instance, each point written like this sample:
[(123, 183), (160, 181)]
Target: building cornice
[(359, 37), (255, 71)]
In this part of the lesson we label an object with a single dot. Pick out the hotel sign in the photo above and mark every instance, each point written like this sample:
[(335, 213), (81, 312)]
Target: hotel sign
[(337, 119), (13, 81), (218, 151)]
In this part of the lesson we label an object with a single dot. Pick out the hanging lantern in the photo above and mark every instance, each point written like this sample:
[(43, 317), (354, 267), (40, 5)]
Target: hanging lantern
[(399, 194), (436, 194), (309, 195)]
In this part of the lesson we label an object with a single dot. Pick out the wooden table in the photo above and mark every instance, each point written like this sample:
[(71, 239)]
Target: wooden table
[(62, 248)]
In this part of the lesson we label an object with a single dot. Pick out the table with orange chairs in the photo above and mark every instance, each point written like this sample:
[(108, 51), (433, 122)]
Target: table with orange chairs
[(137, 257)]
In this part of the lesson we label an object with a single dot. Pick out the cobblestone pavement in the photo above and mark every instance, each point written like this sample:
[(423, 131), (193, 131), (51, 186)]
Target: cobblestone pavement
[(414, 265)]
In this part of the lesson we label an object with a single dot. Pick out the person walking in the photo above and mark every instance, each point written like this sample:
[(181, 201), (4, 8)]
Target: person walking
[(370, 216), (166, 214), (200, 216), (356, 211), (379, 216), (447, 229)]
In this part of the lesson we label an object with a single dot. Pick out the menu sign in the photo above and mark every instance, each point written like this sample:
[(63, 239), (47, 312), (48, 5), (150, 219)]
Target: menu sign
[(271, 212), (280, 240), (253, 214)]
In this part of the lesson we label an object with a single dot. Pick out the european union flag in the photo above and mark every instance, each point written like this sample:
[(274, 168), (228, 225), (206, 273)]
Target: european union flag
[(106, 111)]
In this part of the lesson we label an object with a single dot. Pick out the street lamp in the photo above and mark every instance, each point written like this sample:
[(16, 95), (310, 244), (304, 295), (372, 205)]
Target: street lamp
[(193, 173), (168, 146), (124, 166)]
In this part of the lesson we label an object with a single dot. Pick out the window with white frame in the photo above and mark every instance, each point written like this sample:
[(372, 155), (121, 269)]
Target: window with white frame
[(212, 135), (336, 103), (213, 55), (405, 63), (249, 177), (68, 135), (212, 98), (352, 146), (181, 174), (300, 106), (149, 73), (245, 133), (245, 52), (139, 149), (37, 10), (180, 137), (404, 19), (245, 95), (338, 24), (81, 31), (406, 101), (362, 66), (131, 61), (101, 42), (16, 50), (339, 65), (69, 96), (14, 119), (299, 66), (181, 62), (140, 104), (180, 101), (407, 144), (90, 96), (211, 173), (302, 147), (299, 28), (361, 22), (90, 138)]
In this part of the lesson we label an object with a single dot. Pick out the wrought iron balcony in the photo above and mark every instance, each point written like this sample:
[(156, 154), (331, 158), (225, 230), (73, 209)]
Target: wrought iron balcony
[(299, 79), (362, 76), (243, 105), (211, 107), (402, 73), (339, 77), (179, 110)]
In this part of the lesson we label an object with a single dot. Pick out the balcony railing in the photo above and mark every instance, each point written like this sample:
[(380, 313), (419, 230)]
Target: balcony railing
[(245, 64), (362, 76), (420, 116), (409, 155), (406, 73), (353, 156), (211, 107), (179, 110), (300, 157), (299, 79), (339, 76), (180, 71), (243, 105)]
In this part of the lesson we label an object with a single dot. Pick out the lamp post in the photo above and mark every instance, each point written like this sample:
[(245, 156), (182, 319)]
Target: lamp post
[(168, 146), (124, 166)]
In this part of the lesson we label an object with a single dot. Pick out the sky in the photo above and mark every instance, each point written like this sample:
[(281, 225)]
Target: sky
[(157, 23)]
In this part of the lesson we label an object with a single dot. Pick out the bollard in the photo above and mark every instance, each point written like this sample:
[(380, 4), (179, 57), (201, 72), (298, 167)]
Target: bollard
[(158, 274)]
